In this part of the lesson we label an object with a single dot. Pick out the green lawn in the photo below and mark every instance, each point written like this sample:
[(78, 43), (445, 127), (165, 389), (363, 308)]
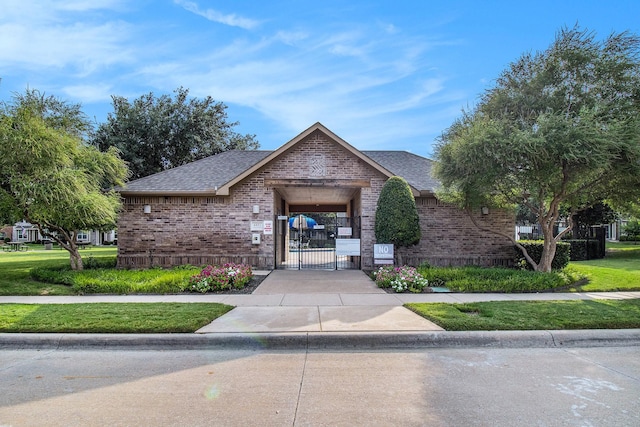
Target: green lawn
[(532, 315), (109, 317), (92, 318), (15, 266), (618, 271)]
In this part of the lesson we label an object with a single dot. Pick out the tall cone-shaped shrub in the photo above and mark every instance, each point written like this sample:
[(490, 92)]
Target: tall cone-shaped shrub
[(397, 219)]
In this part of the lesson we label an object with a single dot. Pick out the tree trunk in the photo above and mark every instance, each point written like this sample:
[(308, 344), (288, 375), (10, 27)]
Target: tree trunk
[(75, 258), (398, 256), (66, 239), (548, 248)]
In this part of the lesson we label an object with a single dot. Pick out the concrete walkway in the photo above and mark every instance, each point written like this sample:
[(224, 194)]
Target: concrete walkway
[(342, 301), (319, 301)]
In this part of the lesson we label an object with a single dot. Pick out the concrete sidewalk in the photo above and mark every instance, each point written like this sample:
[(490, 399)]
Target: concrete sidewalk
[(336, 306), (319, 300)]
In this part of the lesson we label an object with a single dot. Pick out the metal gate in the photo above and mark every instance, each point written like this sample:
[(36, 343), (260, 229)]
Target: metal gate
[(320, 241)]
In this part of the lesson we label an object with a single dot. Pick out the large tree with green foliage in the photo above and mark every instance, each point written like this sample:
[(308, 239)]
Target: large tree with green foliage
[(397, 220), (559, 131), (50, 176), (159, 133)]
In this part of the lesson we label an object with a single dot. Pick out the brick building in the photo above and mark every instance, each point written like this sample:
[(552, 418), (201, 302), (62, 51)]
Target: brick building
[(239, 206)]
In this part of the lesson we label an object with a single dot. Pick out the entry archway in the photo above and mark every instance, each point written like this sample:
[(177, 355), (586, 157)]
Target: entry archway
[(313, 218), (317, 241)]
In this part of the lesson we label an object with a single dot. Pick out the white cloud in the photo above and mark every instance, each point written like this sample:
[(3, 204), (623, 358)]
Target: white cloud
[(89, 93), (369, 82), (38, 11), (388, 28), (373, 89), (86, 5), (82, 47), (215, 16), (290, 38), (37, 35)]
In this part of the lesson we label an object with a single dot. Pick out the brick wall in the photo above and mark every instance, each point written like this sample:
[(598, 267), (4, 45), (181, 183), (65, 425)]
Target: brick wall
[(187, 230), (215, 230), (201, 230), (449, 237)]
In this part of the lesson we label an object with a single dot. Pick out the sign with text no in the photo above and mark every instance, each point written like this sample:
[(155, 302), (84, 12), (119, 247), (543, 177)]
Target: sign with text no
[(383, 251)]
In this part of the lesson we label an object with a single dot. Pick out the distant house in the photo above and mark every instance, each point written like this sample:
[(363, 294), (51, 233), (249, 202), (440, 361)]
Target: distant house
[(237, 207), (26, 232)]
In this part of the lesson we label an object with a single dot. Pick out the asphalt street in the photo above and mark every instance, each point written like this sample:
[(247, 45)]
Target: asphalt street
[(597, 386)]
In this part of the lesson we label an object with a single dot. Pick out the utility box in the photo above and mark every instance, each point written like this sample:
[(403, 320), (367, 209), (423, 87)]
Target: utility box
[(255, 239)]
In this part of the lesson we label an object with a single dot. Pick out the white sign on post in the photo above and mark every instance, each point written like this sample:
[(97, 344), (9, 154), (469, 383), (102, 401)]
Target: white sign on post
[(383, 253), (348, 247)]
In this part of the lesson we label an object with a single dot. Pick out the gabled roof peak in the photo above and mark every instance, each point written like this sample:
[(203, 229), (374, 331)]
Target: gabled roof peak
[(224, 190), (215, 175)]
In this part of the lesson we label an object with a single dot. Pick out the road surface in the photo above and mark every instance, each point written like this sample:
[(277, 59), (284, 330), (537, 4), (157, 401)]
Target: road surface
[(435, 387)]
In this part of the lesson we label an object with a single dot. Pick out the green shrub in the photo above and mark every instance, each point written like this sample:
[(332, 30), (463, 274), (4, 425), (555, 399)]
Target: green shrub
[(534, 248), (112, 281), (583, 250), (397, 220), (63, 275), (632, 231), (91, 263), (92, 285), (479, 279), (55, 275)]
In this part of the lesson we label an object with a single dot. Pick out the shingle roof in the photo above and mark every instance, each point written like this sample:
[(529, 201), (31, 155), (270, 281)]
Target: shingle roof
[(206, 175), (415, 169), (200, 176)]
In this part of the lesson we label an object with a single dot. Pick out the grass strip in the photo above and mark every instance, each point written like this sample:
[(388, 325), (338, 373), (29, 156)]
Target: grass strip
[(532, 315), (618, 271), (123, 318), (15, 268)]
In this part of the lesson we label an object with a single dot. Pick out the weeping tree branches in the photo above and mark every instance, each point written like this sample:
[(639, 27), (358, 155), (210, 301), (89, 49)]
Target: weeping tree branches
[(51, 177)]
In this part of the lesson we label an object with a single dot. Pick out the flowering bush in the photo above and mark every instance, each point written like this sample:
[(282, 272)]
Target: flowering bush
[(400, 279), (383, 276), (220, 278)]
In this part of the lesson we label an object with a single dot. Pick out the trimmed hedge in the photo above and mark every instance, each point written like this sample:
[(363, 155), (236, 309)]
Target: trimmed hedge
[(583, 250), (534, 248), (481, 279)]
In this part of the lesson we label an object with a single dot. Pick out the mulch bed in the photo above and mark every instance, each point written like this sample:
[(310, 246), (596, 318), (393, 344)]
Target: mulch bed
[(426, 290)]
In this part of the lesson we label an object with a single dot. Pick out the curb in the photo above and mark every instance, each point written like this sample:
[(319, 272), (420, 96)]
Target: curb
[(326, 341)]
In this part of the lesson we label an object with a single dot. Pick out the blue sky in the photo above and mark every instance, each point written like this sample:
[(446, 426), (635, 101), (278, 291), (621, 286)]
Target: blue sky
[(380, 74)]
